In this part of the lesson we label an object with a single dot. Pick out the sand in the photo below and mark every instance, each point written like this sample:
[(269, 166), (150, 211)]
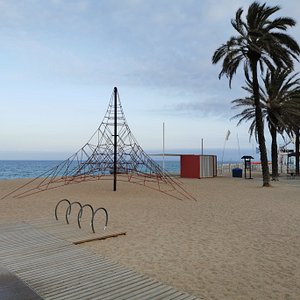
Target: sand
[(237, 241)]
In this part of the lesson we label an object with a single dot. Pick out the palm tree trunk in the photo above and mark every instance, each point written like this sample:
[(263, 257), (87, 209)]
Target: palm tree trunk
[(274, 153), (260, 126), (297, 132)]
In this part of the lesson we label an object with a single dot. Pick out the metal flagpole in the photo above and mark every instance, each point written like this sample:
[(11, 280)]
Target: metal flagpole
[(238, 142), (226, 139), (115, 139), (163, 166)]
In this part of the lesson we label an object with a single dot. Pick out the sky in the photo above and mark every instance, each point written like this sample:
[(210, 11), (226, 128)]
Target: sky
[(61, 59)]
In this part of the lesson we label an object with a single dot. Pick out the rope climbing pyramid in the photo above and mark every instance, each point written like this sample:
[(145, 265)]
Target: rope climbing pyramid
[(111, 153)]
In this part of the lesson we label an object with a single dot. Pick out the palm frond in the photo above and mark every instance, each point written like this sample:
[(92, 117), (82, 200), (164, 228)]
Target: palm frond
[(281, 23)]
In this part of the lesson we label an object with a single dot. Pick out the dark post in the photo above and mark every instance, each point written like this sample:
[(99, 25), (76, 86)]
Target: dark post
[(115, 139), (297, 143), (247, 161)]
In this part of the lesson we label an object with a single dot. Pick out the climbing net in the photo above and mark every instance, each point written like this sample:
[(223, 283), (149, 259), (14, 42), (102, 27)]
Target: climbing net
[(100, 157)]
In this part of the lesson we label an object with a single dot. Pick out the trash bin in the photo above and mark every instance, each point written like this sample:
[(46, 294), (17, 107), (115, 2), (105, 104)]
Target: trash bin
[(237, 172)]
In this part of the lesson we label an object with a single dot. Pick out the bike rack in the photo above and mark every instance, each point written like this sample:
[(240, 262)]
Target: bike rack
[(68, 210), (106, 218), (80, 212), (55, 211)]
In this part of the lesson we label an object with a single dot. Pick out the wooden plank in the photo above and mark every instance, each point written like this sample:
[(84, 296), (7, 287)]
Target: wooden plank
[(92, 289), (108, 280), (57, 269), (130, 292), (145, 292), (184, 296), (159, 293), (104, 237)]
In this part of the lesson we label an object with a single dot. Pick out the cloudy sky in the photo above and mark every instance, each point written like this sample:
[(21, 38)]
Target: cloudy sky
[(60, 60)]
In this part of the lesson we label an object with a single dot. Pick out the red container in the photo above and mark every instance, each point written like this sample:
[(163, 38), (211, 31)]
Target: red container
[(190, 166)]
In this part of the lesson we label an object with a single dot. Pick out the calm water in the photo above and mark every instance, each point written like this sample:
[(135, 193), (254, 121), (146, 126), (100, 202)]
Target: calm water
[(12, 169)]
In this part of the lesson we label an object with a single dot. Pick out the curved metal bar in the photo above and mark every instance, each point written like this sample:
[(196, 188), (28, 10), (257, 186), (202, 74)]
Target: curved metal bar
[(106, 215), (81, 211), (55, 211), (68, 211)]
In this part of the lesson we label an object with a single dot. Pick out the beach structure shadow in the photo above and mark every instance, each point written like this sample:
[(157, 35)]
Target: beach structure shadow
[(12, 287)]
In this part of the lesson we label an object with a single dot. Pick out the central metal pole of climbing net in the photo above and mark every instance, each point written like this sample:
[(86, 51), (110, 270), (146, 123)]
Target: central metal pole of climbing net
[(115, 139)]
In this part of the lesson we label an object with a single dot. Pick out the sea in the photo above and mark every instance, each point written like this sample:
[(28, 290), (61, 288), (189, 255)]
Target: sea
[(32, 168), (13, 169)]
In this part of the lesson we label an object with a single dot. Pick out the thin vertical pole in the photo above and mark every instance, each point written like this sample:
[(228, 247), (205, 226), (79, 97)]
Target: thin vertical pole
[(238, 142), (226, 139), (115, 138), (223, 156), (202, 146), (163, 147)]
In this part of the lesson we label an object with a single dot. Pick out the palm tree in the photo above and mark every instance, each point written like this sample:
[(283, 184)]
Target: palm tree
[(261, 42), (282, 96), (280, 103)]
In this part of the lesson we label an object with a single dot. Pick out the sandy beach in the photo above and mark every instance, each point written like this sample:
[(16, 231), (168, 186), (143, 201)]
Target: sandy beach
[(237, 241)]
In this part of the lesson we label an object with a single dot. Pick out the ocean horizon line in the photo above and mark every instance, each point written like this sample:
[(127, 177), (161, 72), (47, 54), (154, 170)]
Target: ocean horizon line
[(225, 155)]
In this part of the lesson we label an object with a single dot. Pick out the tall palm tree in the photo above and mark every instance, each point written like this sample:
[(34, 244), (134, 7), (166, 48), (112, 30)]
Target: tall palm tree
[(282, 96), (280, 103), (261, 42)]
